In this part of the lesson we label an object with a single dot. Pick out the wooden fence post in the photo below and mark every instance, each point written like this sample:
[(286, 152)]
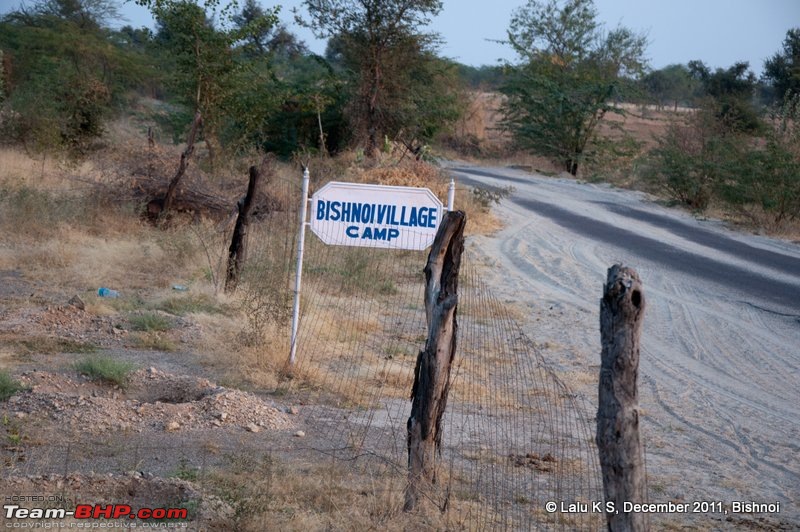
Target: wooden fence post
[(237, 252), (621, 456), (169, 197), (432, 372)]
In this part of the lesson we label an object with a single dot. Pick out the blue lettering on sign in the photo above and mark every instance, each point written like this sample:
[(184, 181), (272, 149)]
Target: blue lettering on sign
[(382, 210), (373, 233), (380, 214)]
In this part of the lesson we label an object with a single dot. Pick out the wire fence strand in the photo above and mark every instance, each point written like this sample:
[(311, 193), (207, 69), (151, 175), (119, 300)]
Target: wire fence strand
[(514, 437)]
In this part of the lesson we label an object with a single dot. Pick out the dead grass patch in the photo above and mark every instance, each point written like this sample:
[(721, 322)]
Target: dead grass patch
[(81, 247), (47, 345), (155, 341), (276, 492)]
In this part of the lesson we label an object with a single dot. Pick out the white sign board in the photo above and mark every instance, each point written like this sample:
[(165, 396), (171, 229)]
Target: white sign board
[(353, 214)]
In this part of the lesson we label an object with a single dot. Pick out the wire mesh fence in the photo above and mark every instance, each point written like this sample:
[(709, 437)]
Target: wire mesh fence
[(514, 437)]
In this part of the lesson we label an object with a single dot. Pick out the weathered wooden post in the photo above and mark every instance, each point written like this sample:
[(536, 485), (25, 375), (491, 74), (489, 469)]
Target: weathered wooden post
[(621, 456), (432, 372), (237, 252), (169, 197)]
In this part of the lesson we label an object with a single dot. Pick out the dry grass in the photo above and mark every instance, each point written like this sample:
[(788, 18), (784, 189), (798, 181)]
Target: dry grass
[(289, 493), (482, 118), (358, 356), (753, 218), (59, 230), (82, 243), (62, 232), (411, 174), (18, 166)]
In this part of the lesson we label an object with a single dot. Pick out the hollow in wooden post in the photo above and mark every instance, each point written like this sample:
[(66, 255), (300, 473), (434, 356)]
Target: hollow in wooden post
[(618, 441)]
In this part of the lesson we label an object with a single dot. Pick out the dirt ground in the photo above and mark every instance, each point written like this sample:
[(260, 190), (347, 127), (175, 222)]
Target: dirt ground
[(718, 383), (68, 436)]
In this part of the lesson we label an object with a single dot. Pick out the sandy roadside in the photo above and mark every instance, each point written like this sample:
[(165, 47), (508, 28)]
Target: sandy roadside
[(719, 377)]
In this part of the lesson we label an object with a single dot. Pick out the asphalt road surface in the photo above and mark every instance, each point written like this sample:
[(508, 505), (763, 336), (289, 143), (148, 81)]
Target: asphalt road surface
[(720, 363), (755, 286)]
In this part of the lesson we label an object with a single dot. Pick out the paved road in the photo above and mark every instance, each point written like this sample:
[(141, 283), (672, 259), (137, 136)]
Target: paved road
[(781, 294), (720, 363)]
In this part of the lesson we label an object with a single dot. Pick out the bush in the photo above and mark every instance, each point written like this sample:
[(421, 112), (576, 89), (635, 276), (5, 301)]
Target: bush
[(150, 321), (105, 369), (486, 197), (8, 386), (702, 159), (692, 159), (768, 176), (612, 158)]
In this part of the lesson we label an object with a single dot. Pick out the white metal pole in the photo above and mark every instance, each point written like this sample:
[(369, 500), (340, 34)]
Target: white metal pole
[(451, 194), (301, 239)]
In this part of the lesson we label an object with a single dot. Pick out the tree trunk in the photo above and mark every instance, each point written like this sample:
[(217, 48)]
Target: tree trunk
[(237, 252), (571, 165), (372, 108), (323, 149), (212, 155), (618, 442), (169, 198), (432, 372)]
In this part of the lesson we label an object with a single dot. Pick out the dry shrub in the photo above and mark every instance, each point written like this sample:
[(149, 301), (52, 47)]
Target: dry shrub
[(411, 174), (66, 230), (15, 164), (482, 119), (480, 220)]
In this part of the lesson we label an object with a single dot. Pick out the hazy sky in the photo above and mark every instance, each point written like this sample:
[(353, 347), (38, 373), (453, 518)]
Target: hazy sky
[(719, 32)]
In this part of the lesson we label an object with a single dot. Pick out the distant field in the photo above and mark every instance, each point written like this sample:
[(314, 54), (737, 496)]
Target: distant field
[(644, 122)]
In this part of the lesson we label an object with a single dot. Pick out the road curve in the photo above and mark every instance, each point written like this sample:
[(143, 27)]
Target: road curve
[(764, 290), (720, 364)]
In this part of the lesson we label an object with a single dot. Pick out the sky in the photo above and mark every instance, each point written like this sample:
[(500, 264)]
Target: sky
[(718, 32)]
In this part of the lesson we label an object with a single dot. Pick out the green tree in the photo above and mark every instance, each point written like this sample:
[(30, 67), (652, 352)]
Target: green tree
[(294, 105), (673, 84), (485, 77), (767, 177), (729, 94), (287, 99), (266, 39), (205, 72), (86, 14), (65, 74), (782, 70), (380, 43), (569, 73), (693, 159)]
